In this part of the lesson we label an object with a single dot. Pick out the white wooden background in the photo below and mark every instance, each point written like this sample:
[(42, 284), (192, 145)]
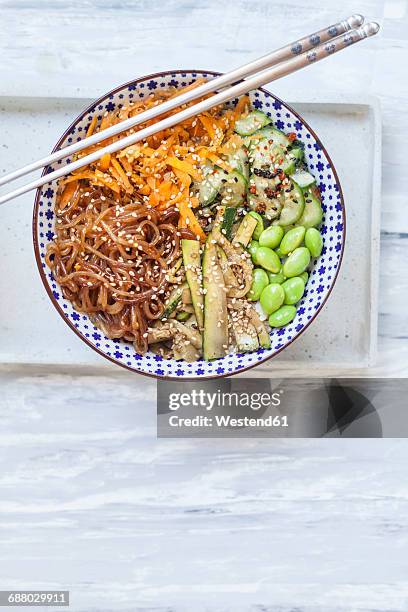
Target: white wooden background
[(89, 499)]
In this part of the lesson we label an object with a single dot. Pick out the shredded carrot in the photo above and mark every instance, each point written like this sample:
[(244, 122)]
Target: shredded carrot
[(217, 161), (161, 169), (92, 126), (122, 175), (184, 178), (209, 125), (78, 176), (184, 167), (106, 180), (67, 194), (105, 162), (242, 104), (188, 87), (189, 220)]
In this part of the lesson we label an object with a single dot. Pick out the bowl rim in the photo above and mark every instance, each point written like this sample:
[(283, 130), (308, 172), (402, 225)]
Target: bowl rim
[(39, 262)]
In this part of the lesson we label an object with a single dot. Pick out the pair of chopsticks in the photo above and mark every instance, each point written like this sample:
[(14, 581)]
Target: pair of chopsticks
[(275, 65)]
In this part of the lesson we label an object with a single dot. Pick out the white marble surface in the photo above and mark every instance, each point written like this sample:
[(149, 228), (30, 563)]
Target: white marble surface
[(89, 499)]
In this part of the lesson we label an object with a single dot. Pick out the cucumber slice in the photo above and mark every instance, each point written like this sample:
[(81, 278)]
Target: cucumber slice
[(303, 178), (228, 221), (233, 189), (289, 165), (297, 153), (277, 136), (312, 214), (252, 122), (263, 154), (293, 205), (211, 185), (239, 161), (260, 200)]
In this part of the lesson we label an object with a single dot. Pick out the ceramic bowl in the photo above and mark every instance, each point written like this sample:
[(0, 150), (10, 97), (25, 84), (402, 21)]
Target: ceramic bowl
[(324, 270)]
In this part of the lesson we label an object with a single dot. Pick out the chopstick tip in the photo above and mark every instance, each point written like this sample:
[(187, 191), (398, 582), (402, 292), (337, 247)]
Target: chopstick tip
[(355, 20), (372, 28)]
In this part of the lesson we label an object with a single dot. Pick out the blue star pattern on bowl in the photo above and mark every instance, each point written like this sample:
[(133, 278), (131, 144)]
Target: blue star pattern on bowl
[(324, 269)]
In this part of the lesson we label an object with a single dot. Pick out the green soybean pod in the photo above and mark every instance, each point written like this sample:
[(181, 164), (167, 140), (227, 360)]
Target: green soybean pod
[(297, 262), (282, 316), (259, 281), (314, 241), (304, 276), (271, 236), (259, 228), (276, 278), (272, 298), (253, 247), (294, 289), (292, 240), (267, 259)]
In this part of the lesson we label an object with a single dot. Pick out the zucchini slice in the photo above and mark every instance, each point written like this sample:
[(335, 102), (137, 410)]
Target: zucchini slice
[(192, 265), (246, 339), (215, 338), (228, 221), (173, 300), (251, 123), (245, 230), (183, 315)]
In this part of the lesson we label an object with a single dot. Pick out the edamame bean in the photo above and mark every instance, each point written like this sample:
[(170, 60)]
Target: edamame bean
[(272, 298), (253, 247), (260, 225), (304, 276), (267, 259), (292, 240), (294, 289), (271, 237), (276, 278), (314, 241), (259, 281), (279, 253), (297, 262), (282, 316)]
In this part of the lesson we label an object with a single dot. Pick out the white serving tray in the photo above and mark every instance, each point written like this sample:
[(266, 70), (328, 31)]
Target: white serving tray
[(344, 334)]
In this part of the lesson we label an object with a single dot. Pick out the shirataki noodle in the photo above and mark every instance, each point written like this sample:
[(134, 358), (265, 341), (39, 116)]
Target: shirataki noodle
[(111, 261)]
